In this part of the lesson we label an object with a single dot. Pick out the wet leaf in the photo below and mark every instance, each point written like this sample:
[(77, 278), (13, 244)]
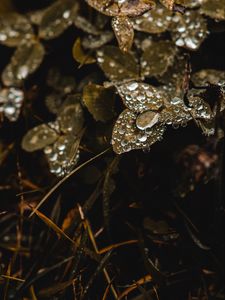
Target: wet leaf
[(124, 32), (13, 28), (39, 137), (189, 30), (79, 55), (117, 65), (139, 97), (206, 76), (25, 61), (157, 57), (11, 101), (99, 101), (156, 20), (214, 9), (190, 3), (83, 24), (126, 136), (57, 18), (126, 8), (95, 42), (169, 4)]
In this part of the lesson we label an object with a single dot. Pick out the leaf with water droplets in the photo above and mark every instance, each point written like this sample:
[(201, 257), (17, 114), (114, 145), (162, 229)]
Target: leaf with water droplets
[(25, 60), (189, 30), (79, 55), (70, 116), (117, 65), (156, 20), (126, 135), (40, 136), (190, 3), (138, 96), (200, 109), (95, 42), (63, 155), (128, 8), (99, 101), (13, 28), (83, 24), (11, 100), (206, 76), (57, 18), (124, 32), (214, 9), (169, 4), (157, 57)]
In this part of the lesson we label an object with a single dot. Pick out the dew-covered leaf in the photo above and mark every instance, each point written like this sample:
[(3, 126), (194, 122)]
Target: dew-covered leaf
[(13, 28), (206, 76), (157, 57), (117, 65), (25, 60), (40, 136), (95, 42), (156, 20), (11, 100), (124, 32), (189, 30), (57, 18), (99, 101), (126, 136), (79, 55), (139, 97), (214, 9), (70, 116), (63, 155), (83, 24), (190, 3), (169, 4), (122, 8)]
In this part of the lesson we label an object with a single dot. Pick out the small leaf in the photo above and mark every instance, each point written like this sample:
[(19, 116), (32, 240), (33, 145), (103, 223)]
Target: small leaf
[(57, 18), (126, 136), (124, 32), (190, 3), (25, 61), (169, 4), (116, 64), (83, 24), (206, 76), (39, 137), (13, 28), (126, 8), (95, 42), (79, 55), (214, 9), (11, 100), (156, 20), (99, 101), (189, 30), (157, 57)]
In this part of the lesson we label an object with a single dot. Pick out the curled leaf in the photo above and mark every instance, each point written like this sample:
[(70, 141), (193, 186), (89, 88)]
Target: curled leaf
[(79, 55), (99, 101)]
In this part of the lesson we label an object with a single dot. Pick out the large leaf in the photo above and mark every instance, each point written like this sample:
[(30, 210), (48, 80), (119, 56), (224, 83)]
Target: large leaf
[(157, 57), (99, 101), (13, 28), (116, 64), (25, 60)]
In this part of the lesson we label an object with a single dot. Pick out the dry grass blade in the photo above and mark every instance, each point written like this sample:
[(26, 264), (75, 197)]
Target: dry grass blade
[(50, 291), (66, 178), (147, 278), (32, 293), (114, 246), (12, 278)]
